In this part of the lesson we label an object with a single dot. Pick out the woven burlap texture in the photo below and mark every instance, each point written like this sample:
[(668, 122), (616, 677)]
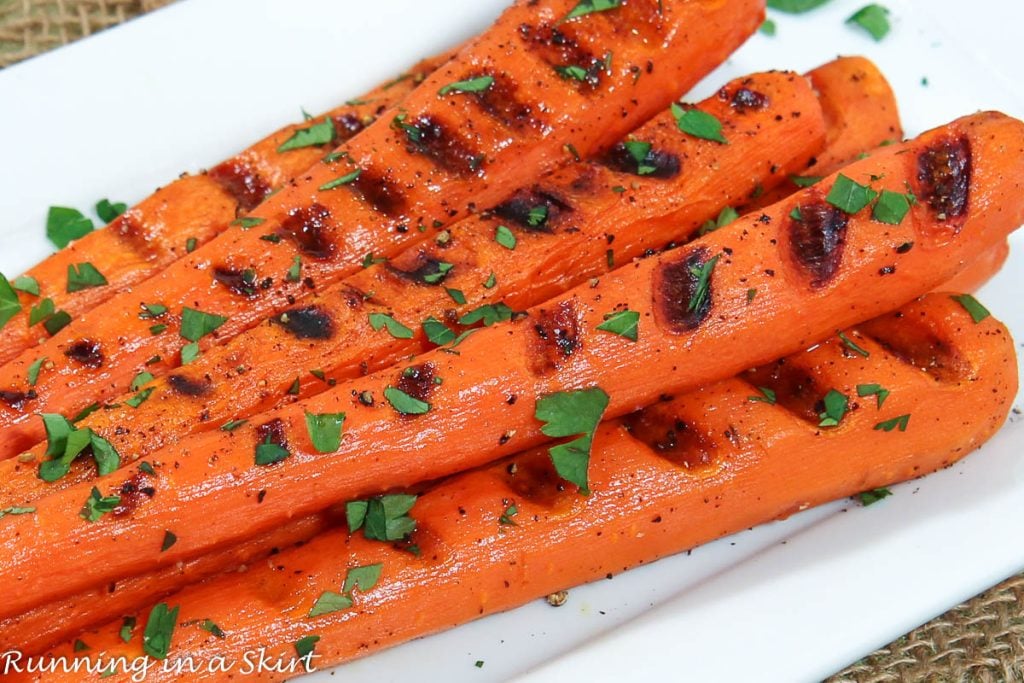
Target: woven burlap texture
[(28, 27), (980, 641)]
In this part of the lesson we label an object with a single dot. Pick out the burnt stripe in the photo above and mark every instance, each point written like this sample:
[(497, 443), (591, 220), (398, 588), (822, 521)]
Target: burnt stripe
[(310, 229), (816, 240), (86, 352), (944, 174), (536, 209), (418, 381), (242, 182), (428, 136), (425, 269), (501, 102), (560, 51), (380, 192), (672, 438), (15, 399), (557, 337), (132, 233), (240, 282), (655, 163), (347, 125), (310, 322), (675, 284), (188, 387)]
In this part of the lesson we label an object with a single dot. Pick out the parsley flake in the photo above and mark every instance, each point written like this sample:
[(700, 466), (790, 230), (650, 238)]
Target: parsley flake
[(901, 422), (767, 396), (97, 505), (9, 304), (478, 84), (379, 321), (873, 496), (404, 403), (877, 390), (835, 408), (872, 18), (505, 237), (325, 430), (363, 578), (585, 7), (795, 6), (84, 276), (853, 346), (329, 602), (725, 217), (169, 539), (313, 136), (269, 453), (27, 284), (703, 287), (156, 638), (437, 332), (623, 323), (572, 413), (697, 123), (304, 648), (33, 371), (972, 306), (891, 207), (343, 180), (65, 225), (108, 211), (849, 196), (196, 324)]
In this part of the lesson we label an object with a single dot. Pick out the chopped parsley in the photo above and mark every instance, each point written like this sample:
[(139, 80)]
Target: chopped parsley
[(767, 27), (853, 346), (456, 295), (491, 281), (877, 390), (65, 442), (16, 510), (325, 430), (478, 84), (640, 152), (370, 259), (404, 403), (972, 306), (189, 352), (156, 638), (572, 413), (505, 237), (382, 518), (537, 215), (313, 136), (268, 452), (437, 332), (836, 404), (849, 196), (127, 629), (27, 284), (623, 323), (343, 180), (329, 602), (442, 271), (169, 539), (40, 312), (97, 505), (212, 628), (873, 496), (65, 225), (140, 398), (584, 7), (506, 517), (363, 578), (304, 647), (57, 322), (379, 321), (150, 311), (140, 380), (703, 274), (33, 371), (795, 6), (84, 276), (232, 425), (891, 207), (190, 245), (698, 123), (195, 324), (900, 422), (805, 180), (108, 211), (725, 217), (294, 273), (572, 72), (246, 222), (488, 314), (872, 18), (767, 396), (9, 304)]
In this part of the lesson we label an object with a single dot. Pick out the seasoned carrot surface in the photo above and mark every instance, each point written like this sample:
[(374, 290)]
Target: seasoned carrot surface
[(448, 150), (606, 212), (190, 211), (769, 284), (683, 472)]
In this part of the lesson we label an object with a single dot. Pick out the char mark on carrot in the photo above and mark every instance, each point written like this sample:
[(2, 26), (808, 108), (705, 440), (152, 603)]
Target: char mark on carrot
[(944, 175), (817, 234), (310, 229), (682, 291), (87, 352), (188, 387), (241, 182), (557, 337), (309, 322)]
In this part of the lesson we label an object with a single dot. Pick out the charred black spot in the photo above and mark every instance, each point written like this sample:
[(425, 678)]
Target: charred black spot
[(744, 98), (240, 282), (428, 136), (423, 269), (380, 192), (353, 296), (675, 286), (86, 352), (241, 182), (188, 387), (561, 51), (418, 381), (500, 101), (133, 493), (345, 126), (309, 228), (816, 240), (15, 399), (795, 389), (532, 477), (272, 432), (944, 174), (535, 209), (558, 336), (310, 322), (672, 438), (653, 163)]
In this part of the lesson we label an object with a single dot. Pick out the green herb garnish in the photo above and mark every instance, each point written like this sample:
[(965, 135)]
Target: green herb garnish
[(849, 196), (623, 323), (835, 408), (972, 306), (404, 403), (572, 413), (314, 136), (325, 431), (872, 18), (84, 276), (65, 225), (900, 422), (698, 123), (396, 329), (195, 324), (478, 84)]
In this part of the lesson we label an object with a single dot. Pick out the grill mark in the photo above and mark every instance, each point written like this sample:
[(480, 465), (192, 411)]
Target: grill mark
[(132, 233), (240, 282), (558, 337), (274, 431), (241, 182), (919, 346), (309, 228), (532, 477), (86, 352), (430, 137), (795, 389), (133, 493), (674, 286), (559, 50), (517, 208), (418, 381), (816, 240), (944, 174), (500, 102), (188, 387), (423, 266), (672, 438), (15, 399), (310, 322), (380, 192), (744, 99), (347, 125), (665, 164)]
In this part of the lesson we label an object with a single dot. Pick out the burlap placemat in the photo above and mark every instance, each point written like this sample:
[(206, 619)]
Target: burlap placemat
[(981, 640)]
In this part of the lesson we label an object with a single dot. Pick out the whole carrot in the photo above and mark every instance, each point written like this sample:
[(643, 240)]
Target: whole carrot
[(186, 213), (621, 207), (768, 284), (545, 79), (709, 463)]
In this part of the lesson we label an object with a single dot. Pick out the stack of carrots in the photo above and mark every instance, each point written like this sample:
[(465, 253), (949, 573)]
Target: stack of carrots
[(389, 370)]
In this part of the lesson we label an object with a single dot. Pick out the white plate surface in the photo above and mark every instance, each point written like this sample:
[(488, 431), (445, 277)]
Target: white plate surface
[(121, 113)]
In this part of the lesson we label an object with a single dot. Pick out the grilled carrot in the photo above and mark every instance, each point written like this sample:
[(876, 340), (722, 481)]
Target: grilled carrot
[(511, 104), (616, 215), (737, 297), (709, 463), (190, 211), (979, 270)]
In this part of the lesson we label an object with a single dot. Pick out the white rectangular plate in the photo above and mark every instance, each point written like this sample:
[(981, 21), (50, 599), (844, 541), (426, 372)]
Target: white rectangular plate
[(119, 114)]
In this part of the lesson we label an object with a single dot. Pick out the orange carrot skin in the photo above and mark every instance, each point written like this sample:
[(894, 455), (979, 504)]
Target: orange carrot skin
[(483, 408), (656, 490), (858, 118), (615, 211), (155, 232), (980, 270), (444, 156)]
